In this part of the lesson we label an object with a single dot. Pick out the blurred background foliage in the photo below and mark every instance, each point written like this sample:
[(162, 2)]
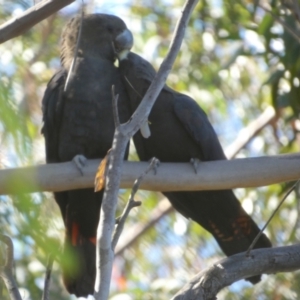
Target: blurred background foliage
[(238, 58)]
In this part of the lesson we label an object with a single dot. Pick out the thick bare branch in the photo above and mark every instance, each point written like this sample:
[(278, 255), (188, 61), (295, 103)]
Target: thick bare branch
[(18, 25), (213, 175), (104, 251), (209, 282)]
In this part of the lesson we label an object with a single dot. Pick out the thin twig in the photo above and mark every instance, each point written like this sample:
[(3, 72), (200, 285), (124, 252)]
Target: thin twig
[(132, 234), (246, 134), (291, 30), (293, 7), (131, 202), (271, 217), (115, 99), (6, 271), (48, 277), (10, 251), (296, 9)]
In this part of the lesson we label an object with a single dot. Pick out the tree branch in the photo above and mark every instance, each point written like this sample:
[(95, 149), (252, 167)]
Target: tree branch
[(135, 231), (18, 25), (131, 203), (212, 175), (206, 284), (122, 135), (164, 207), (6, 271), (288, 28), (48, 277), (246, 134)]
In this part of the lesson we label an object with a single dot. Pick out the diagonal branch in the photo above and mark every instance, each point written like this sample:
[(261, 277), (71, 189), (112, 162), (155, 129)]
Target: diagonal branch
[(140, 116), (104, 253), (131, 203), (18, 25), (133, 233), (288, 28), (206, 284), (250, 131)]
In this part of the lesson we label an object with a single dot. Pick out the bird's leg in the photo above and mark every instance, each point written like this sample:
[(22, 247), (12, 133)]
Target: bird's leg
[(79, 161), (195, 163)]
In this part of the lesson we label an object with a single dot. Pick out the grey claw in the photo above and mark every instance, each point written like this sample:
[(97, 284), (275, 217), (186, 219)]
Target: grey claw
[(80, 161), (154, 162), (195, 163)]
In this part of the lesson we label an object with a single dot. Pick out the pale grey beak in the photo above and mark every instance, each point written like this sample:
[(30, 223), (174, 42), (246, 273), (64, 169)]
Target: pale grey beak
[(123, 43)]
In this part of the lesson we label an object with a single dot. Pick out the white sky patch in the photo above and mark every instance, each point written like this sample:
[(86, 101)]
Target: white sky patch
[(150, 48), (35, 266), (28, 54), (6, 57), (296, 82), (216, 8), (17, 12), (119, 297), (24, 293), (277, 45), (297, 124), (38, 67), (248, 205), (18, 92), (277, 29), (208, 41), (253, 41), (284, 85), (242, 60), (272, 203), (287, 74), (17, 47), (234, 72), (223, 74), (223, 33), (257, 144), (180, 225), (134, 24), (203, 95)]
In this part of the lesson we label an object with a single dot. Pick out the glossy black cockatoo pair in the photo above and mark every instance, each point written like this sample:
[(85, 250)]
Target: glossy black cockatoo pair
[(78, 120)]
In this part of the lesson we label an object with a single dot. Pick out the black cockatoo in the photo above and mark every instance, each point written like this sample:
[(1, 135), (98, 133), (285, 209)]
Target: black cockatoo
[(180, 131), (79, 121)]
